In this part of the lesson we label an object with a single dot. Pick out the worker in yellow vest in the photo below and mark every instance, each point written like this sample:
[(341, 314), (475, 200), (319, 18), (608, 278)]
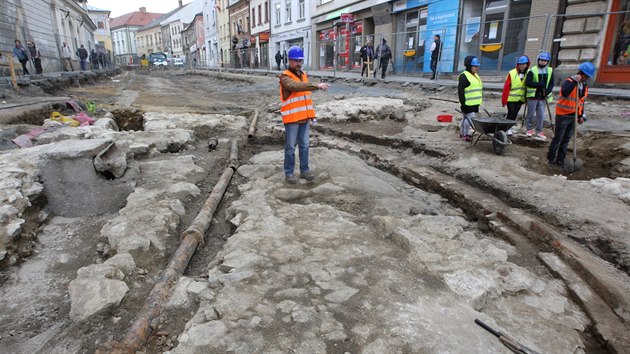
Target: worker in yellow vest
[(469, 91), (514, 89), (539, 82), (297, 111)]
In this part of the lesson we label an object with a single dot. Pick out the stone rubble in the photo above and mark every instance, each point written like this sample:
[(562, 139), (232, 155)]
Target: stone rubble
[(360, 109), (346, 264)]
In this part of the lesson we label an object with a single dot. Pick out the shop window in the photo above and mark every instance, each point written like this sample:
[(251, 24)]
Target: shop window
[(620, 51)]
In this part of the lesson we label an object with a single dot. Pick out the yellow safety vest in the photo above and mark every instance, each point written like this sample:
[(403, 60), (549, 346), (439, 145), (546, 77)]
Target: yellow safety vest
[(473, 93), (517, 89), (531, 92), (297, 106)]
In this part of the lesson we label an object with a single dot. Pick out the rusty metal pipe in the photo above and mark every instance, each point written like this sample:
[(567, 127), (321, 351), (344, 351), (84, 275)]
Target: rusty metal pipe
[(252, 126), (149, 317)]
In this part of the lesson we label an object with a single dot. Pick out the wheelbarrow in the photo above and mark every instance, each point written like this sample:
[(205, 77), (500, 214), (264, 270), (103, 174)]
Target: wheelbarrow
[(493, 128)]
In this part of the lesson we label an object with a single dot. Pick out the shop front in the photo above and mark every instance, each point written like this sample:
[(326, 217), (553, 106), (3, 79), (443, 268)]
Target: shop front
[(284, 40), (416, 24), (615, 62)]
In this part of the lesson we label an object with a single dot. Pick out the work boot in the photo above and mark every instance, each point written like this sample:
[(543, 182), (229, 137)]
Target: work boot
[(309, 177), (290, 179)]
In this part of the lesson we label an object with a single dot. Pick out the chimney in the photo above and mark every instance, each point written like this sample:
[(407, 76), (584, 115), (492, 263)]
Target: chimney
[(180, 4), (143, 9)]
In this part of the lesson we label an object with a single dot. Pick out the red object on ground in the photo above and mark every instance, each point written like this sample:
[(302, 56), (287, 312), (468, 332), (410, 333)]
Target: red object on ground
[(445, 118)]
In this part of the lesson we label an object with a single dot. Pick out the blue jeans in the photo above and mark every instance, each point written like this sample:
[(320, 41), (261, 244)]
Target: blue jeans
[(562, 135), (296, 134), (83, 64)]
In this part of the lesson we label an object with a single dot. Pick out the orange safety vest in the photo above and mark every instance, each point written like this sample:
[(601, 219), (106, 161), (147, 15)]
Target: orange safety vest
[(298, 105), (566, 105)]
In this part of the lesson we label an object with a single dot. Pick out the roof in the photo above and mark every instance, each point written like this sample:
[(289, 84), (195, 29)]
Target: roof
[(96, 9), (135, 18), (157, 21)]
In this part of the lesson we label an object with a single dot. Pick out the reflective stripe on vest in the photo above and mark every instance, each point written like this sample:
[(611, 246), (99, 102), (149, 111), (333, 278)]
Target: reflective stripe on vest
[(473, 93), (566, 105), (531, 92), (297, 106), (517, 90)]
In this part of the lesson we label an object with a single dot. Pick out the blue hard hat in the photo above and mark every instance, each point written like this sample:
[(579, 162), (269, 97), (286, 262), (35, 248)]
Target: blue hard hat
[(523, 60), (587, 68), (475, 62), (296, 53), (544, 56)]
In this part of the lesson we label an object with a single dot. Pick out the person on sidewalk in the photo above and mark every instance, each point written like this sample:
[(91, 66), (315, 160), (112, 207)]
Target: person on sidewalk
[(573, 89), (384, 53), (470, 93), (284, 59), (22, 55), (278, 59), (82, 53), (36, 57), (436, 51), (539, 82), (367, 55), (514, 89), (297, 112), (66, 57), (94, 59)]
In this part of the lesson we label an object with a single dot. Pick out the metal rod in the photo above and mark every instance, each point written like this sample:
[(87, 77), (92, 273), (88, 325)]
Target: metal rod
[(149, 317), (252, 126)]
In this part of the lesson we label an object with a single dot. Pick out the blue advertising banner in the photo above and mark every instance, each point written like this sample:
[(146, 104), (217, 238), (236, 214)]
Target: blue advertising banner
[(442, 20)]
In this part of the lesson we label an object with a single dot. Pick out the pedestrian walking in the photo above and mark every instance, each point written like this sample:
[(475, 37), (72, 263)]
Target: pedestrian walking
[(66, 57), (436, 51), (278, 58), (539, 82), (573, 89), (297, 112), (284, 59), (470, 93), (82, 53), (514, 89), (101, 58), (367, 55), (22, 55), (383, 53), (94, 59), (36, 57)]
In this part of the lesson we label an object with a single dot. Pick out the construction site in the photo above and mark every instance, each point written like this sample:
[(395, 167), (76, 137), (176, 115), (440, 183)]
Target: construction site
[(147, 211)]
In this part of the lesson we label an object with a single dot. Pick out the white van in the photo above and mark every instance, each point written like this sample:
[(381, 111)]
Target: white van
[(178, 62)]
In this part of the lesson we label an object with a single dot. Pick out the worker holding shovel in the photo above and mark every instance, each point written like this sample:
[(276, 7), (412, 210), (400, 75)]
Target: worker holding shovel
[(569, 113)]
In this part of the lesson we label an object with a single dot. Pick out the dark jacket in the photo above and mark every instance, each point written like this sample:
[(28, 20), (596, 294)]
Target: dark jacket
[(438, 48), (383, 51), (82, 53), (568, 86), (367, 52), (278, 57), (462, 83), (541, 85)]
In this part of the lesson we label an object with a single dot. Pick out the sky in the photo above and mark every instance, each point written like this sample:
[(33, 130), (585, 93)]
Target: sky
[(121, 7)]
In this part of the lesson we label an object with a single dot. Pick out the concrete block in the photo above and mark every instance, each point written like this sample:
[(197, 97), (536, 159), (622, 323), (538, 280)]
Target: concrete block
[(588, 54), (575, 25), (568, 55), (594, 24), (594, 7), (580, 41)]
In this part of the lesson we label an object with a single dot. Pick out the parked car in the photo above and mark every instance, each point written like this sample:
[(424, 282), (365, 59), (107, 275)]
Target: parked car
[(158, 59), (178, 62)]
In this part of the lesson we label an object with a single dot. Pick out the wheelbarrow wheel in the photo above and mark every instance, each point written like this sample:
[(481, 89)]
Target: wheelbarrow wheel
[(499, 142)]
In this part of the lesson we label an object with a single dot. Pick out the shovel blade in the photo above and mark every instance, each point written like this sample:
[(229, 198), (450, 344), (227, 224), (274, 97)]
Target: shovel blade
[(571, 166)]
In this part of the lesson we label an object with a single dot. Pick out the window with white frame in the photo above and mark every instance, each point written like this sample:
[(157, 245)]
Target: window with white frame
[(301, 10), (259, 15), (253, 17), (287, 7), (324, 1), (278, 19), (266, 12)]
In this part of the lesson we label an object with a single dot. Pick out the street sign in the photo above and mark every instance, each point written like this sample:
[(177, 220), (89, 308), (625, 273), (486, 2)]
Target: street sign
[(347, 18)]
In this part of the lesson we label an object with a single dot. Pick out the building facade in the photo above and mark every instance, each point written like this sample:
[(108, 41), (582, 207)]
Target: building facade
[(193, 38), (291, 26), (102, 35), (149, 38), (211, 29), (124, 29), (240, 55), (260, 32), (173, 25), (223, 27)]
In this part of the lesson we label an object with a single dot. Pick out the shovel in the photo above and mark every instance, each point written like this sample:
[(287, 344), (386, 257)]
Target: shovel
[(575, 164)]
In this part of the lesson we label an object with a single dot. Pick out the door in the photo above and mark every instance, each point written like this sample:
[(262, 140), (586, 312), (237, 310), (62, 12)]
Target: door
[(493, 28)]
